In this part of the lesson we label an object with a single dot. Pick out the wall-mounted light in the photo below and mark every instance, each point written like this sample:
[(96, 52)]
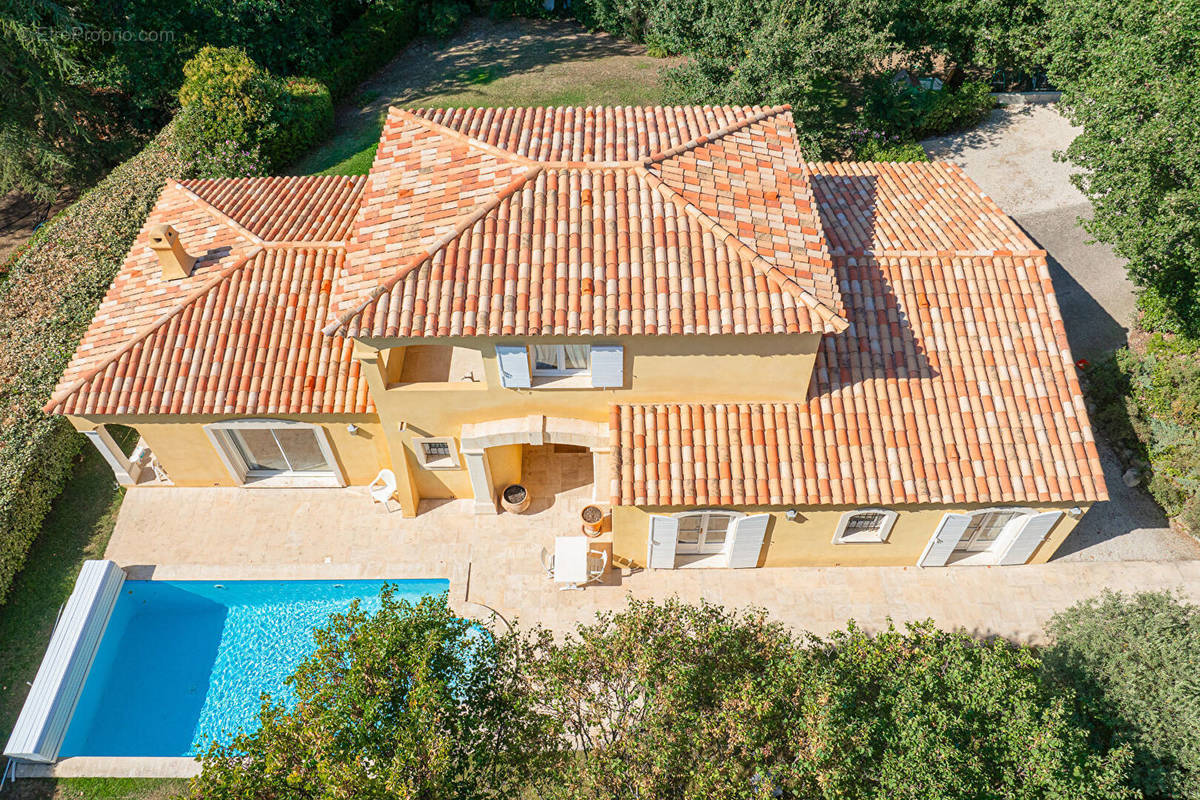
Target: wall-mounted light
[(403, 426), (793, 515), (1075, 513), (352, 429)]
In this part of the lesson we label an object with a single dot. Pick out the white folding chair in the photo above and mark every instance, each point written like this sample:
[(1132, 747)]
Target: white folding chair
[(548, 563), (383, 488), (597, 564)]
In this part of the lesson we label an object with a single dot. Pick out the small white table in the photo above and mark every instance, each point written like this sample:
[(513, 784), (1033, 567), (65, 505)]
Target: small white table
[(570, 561)]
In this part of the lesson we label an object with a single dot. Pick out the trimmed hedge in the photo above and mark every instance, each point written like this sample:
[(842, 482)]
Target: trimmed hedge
[(303, 118), (46, 304)]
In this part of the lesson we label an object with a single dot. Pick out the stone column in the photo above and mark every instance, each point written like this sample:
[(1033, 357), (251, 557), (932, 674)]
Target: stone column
[(480, 473), (126, 471), (372, 363)]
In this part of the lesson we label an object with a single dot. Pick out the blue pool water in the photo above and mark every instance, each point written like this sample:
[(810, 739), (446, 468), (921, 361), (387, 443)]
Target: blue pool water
[(185, 662)]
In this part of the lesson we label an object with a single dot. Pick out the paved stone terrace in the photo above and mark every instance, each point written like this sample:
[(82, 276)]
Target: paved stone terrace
[(493, 561)]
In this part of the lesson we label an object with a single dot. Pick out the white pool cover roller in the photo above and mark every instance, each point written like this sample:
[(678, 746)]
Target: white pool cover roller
[(40, 729)]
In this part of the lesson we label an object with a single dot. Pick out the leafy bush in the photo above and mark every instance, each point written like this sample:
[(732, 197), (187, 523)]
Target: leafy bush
[(303, 118), (662, 700), (954, 110), (1134, 663), (899, 109), (239, 120), (875, 146), (1148, 403), (368, 43), (409, 702), (229, 102), (46, 303)]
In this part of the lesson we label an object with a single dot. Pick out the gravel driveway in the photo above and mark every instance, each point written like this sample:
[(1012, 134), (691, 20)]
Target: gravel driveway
[(1011, 157)]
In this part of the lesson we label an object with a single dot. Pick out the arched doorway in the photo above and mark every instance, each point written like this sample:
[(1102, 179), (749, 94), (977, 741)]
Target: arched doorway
[(475, 439)]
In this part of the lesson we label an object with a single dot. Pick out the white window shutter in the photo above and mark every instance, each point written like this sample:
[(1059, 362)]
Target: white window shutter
[(746, 540), (608, 366), (661, 543), (944, 539), (1036, 528), (514, 365)]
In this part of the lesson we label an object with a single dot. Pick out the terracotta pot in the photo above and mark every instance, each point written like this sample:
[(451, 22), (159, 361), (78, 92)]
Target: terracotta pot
[(515, 498), (593, 520)]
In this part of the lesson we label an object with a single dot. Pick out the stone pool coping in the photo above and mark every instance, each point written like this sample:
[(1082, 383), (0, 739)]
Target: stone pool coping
[(111, 767)]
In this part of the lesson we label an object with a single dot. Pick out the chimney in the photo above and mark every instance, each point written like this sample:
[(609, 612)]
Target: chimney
[(175, 261)]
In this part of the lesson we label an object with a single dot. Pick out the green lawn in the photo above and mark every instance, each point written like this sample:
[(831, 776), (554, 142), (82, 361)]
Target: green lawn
[(76, 529), (96, 789), (509, 63)]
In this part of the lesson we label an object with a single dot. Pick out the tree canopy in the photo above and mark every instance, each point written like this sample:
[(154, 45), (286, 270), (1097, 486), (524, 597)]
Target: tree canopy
[(662, 700)]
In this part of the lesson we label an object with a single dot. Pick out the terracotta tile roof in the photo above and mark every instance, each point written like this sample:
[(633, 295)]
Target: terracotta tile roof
[(587, 221), (243, 330), (953, 384)]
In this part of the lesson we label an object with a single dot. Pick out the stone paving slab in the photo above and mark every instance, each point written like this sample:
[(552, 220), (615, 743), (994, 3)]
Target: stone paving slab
[(493, 564)]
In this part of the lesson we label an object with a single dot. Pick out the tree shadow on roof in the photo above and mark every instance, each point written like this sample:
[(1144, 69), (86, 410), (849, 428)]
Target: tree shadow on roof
[(881, 341)]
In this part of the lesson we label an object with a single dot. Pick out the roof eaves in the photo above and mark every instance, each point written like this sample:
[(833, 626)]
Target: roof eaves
[(60, 397)]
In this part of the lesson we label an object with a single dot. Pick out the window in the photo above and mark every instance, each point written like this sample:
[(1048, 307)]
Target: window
[(278, 451), (985, 528), (560, 359), (866, 525), (704, 531), (437, 452)]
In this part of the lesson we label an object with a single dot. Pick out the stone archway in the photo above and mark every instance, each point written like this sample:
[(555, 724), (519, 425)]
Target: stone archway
[(475, 439)]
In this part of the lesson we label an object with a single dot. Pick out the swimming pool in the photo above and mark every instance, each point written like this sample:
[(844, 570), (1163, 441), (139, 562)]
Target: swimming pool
[(183, 663)]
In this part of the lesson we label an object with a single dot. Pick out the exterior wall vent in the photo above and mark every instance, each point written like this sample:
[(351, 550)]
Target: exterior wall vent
[(175, 261)]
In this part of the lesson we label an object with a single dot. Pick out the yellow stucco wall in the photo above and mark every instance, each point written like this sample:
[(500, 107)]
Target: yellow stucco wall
[(808, 541), (189, 458), (678, 369)]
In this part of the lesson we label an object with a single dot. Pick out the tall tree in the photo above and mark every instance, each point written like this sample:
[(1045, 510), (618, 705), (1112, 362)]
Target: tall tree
[(1130, 75), (43, 135)]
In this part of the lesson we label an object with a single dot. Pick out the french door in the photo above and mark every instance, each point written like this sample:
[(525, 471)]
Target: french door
[(703, 532)]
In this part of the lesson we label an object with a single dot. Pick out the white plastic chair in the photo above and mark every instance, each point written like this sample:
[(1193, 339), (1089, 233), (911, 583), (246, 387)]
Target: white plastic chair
[(597, 564), (383, 488), (548, 563)]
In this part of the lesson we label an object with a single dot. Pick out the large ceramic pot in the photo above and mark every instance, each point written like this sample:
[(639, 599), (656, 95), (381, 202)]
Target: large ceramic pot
[(593, 520), (515, 498)]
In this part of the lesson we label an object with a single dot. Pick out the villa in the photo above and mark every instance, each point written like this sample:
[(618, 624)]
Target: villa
[(750, 359)]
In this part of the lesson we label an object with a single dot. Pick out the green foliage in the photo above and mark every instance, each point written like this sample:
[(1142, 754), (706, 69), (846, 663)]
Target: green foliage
[(963, 37), (1134, 663), (808, 54), (410, 702), (875, 146), (46, 303), (1148, 404), (303, 118), (663, 700), (368, 43), (1130, 78), (928, 714), (230, 107), (898, 109), (51, 129)]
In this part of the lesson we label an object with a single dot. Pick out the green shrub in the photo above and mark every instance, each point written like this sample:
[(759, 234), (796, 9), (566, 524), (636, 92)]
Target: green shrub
[(368, 43), (875, 146), (1148, 404), (955, 110), (1134, 664), (230, 107), (910, 112), (303, 118), (46, 303)]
